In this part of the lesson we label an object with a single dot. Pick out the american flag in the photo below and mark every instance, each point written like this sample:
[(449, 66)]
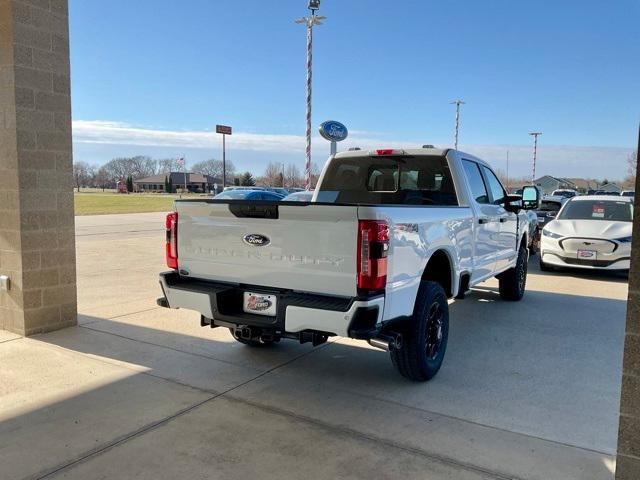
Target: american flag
[(180, 162)]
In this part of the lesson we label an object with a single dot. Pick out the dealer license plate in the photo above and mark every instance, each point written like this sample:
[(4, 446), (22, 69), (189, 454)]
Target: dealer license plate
[(260, 303), (586, 254)]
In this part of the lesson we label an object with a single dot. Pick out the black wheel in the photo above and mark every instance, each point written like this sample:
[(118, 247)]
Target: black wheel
[(252, 343), (512, 282), (424, 336)]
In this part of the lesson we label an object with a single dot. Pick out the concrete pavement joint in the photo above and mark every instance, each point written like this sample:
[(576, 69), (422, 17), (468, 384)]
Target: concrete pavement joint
[(478, 424), (201, 355), (11, 340), (116, 316), (153, 425), (372, 438)]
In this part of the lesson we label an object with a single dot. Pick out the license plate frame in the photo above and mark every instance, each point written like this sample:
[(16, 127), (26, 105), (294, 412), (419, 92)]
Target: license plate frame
[(587, 254), (260, 303)]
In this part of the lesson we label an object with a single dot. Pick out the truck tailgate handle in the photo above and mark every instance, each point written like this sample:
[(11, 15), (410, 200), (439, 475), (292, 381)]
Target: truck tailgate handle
[(253, 210)]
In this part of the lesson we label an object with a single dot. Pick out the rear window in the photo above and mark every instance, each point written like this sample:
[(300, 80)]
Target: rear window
[(548, 206), (402, 180), (598, 210)]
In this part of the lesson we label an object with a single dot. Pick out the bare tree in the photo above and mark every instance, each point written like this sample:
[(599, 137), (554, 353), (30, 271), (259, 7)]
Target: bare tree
[(632, 165), (292, 177), (315, 174), (101, 178), (167, 165), (213, 167), (273, 175), (81, 174)]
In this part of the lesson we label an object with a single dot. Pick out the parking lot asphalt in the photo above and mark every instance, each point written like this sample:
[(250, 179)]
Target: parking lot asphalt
[(528, 390)]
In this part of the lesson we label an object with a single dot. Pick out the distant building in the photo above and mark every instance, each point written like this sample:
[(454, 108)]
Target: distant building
[(195, 182), (610, 188), (548, 184)]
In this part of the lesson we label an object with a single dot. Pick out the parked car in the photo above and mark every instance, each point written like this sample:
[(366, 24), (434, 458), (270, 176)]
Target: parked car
[(389, 237), (248, 195), (279, 190), (591, 232), (628, 193), (236, 187), (564, 192), (302, 196), (548, 209)]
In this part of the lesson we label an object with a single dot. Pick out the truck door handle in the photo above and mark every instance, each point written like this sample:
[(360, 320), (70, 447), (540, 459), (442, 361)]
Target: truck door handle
[(503, 219), (483, 220)]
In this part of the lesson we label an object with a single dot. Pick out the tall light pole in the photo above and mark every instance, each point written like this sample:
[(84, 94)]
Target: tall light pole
[(310, 22), (535, 153), (457, 103)]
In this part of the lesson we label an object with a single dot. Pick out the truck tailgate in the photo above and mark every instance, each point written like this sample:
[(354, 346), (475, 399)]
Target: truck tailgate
[(307, 248)]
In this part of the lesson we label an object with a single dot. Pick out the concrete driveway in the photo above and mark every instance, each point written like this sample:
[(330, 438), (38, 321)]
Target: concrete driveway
[(527, 390)]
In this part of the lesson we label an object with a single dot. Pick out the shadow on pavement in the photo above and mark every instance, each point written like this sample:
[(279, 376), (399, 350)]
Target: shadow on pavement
[(548, 370)]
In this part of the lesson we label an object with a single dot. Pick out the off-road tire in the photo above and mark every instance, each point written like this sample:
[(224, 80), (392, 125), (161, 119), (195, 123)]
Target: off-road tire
[(417, 359), (512, 283)]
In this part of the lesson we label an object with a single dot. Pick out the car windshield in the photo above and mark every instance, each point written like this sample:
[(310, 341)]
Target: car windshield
[(608, 210), (298, 197), (404, 180), (549, 206), (564, 193), (233, 195)]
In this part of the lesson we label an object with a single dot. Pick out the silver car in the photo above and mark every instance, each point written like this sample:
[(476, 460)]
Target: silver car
[(592, 232)]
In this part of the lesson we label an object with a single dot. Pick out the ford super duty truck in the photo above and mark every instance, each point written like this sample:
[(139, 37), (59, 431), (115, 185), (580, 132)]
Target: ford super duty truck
[(388, 237)]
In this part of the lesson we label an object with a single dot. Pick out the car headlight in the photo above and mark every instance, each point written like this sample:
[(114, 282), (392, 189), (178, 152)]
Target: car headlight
[(624, 239), (548, 233)]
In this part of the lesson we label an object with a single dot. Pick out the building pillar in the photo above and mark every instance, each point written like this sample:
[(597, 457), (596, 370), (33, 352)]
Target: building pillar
[(37, 239), (628, 464)]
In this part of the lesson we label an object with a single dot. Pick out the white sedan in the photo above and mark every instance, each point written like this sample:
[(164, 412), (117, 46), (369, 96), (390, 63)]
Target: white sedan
[(592, 232)]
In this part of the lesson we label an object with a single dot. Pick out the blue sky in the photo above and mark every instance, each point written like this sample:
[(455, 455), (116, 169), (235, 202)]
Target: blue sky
[(155, 76)]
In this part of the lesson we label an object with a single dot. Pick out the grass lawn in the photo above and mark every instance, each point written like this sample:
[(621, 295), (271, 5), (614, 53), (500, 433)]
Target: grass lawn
[(102, 203)]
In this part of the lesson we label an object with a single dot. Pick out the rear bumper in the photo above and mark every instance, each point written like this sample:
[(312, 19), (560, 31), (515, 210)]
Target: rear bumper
[(296, 311)]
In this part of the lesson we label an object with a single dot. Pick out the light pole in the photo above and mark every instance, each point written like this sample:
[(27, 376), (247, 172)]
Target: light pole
[(535, 153), (310, 22), (457, 103)]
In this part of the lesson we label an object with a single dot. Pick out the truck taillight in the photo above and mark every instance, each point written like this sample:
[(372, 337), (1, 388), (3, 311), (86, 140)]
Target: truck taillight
[(373, 247), (172, 240)]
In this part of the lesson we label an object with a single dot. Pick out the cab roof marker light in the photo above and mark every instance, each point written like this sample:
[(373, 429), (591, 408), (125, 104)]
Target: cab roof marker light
[(388, 151)]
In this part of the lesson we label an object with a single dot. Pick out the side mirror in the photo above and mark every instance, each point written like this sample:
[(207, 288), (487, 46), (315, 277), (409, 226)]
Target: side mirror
[(530, 198), (513, 203)]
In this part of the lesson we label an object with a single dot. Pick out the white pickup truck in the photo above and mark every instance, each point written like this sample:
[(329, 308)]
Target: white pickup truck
[(388, 237)]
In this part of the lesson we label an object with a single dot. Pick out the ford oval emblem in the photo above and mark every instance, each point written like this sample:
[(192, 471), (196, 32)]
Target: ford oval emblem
[(333, 131), (256, 240)]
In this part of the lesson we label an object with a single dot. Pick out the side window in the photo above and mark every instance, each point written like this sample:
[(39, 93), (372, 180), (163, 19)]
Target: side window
[(497, 192), (478, 188)]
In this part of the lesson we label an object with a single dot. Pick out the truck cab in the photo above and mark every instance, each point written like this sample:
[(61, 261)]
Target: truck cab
[(388, 236)]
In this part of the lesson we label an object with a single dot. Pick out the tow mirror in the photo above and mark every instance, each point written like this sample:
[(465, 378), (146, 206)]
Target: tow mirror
[(530, 198), (513, 203)]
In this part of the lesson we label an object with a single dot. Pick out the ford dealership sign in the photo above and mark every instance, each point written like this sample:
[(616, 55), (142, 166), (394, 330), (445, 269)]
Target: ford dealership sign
[(333, 131)]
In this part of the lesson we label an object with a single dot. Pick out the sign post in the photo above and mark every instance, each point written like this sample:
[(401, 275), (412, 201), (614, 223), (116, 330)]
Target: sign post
[(224, 130), (334, 132)]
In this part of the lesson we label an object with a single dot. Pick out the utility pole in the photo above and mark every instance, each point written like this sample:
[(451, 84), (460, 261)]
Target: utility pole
[(457, 103), (535, 152), (310, 22)]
